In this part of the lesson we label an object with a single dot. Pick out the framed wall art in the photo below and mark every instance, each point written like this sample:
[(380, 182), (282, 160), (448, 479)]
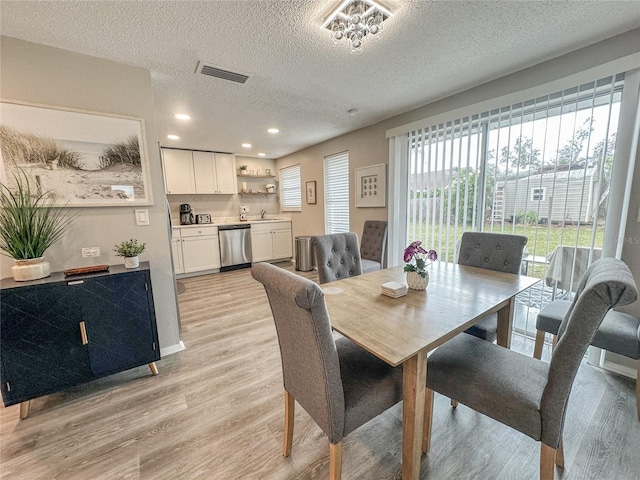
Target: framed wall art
[(371, 186), (311, 192), (89, 159)]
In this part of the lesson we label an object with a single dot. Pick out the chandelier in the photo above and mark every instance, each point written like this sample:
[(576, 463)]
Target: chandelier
[(354, 20)]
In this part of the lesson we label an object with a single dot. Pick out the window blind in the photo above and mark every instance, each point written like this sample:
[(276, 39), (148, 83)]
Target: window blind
[(290, 189), (336, 193)]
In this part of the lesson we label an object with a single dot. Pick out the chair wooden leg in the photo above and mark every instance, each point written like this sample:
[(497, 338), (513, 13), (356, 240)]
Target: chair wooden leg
[(547, 462), (24, 409), (454, 403), (560, 455), (537, 348), (428, 420), (554, 342), (289, 414), (335, 461), (153, 368), (638, 389)]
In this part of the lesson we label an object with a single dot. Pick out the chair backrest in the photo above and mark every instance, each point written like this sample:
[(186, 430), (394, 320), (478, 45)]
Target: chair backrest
[(337, 256), (373, 245), (605, 284), (494, 251), (310, 365)]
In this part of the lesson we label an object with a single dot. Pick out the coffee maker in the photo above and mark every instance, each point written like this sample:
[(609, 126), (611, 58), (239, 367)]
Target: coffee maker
[(186, 215)]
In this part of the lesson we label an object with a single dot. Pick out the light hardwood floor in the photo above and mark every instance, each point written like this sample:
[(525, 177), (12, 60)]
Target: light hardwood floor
[(215, 411)]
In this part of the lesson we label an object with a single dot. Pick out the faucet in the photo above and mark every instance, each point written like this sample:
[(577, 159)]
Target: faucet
[(262, 214)]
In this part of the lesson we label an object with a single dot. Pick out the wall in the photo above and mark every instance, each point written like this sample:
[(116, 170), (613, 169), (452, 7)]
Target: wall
[(368, 146), (50, 76), (229, 205)]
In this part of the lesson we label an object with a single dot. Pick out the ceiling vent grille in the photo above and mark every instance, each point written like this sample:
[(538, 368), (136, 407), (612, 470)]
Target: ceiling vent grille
[(213, 71)]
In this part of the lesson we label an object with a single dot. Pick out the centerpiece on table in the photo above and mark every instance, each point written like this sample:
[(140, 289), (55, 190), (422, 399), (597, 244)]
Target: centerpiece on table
[(416, 265)]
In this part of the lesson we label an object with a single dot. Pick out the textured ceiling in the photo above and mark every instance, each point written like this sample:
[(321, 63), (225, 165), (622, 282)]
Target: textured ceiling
[(299, 82)]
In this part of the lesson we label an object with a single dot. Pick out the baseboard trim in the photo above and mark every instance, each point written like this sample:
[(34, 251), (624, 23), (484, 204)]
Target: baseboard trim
[(171, 349)]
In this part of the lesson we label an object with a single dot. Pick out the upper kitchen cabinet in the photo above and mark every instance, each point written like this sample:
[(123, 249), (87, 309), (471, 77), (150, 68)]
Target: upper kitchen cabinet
[(187, 171)]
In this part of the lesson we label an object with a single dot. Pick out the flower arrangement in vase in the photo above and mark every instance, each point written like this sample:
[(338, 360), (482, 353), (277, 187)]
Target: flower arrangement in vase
[(415, 257), (130, 249)]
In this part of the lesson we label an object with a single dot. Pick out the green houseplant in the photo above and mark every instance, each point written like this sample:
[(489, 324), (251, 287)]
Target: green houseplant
[(243, 169), (130, 249), (30, 222)]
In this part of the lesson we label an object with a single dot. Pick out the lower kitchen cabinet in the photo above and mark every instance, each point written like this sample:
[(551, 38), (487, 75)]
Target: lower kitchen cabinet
[(60, 332), (271, 241), (200, 249)]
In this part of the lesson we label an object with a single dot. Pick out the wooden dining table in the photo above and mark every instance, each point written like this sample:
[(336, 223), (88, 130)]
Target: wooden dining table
[(400, 331)]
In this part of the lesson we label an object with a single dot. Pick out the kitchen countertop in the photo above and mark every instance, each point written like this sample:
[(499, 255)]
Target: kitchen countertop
[(229, 221)]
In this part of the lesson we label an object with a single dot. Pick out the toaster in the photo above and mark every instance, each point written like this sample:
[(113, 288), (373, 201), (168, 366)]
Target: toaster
[(203, 218)]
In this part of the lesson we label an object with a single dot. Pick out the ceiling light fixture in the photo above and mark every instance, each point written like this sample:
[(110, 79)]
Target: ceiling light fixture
[(262, 154), (182, 116), (246, 145), (354, 20), (173, 137), (273, 130)]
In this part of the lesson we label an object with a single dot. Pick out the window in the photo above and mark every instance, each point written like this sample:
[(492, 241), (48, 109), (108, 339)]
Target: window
[(538, 194), (336, 193), (290, 189)]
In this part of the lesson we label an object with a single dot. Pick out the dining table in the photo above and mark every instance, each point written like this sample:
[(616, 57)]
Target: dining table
[(400, 331)]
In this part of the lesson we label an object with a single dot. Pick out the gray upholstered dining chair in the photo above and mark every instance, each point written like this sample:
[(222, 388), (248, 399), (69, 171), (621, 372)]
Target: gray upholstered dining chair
[(619, 333), (500, 252), (520, 391), (340, 385), (373, 246), (337, 256)]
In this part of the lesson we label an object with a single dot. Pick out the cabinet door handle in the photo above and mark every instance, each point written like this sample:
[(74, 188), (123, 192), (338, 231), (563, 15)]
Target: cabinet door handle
[(83, 333)]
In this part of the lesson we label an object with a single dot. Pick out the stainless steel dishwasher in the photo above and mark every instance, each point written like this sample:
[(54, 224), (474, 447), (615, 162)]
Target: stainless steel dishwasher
[(235, 246)]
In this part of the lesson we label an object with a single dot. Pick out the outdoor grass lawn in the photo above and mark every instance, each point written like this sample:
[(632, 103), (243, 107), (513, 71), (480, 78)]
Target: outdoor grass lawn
[(542, 239)]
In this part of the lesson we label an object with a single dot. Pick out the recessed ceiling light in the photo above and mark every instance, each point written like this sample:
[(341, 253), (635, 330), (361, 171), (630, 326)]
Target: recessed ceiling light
[(182, 116), (246, 145), (173, 137), (273, 130), (262, 154)]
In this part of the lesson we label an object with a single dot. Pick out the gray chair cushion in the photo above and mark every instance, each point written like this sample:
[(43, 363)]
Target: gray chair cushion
[(337, 256), (494, 251), (490, 380), (370, 265), (617, 333), (370, 385), (373, 245)]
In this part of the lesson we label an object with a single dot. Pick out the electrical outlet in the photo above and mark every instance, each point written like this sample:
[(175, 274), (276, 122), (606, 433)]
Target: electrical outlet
[(142, 216), (90, 252)]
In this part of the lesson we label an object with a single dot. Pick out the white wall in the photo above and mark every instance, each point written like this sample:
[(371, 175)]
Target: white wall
[(50, 76)]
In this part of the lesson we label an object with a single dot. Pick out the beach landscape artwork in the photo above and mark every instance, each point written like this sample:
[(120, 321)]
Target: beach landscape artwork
[(89, 159)]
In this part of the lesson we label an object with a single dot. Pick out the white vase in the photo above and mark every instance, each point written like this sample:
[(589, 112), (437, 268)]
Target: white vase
[(131, 262), (416, 282), (30, 269)]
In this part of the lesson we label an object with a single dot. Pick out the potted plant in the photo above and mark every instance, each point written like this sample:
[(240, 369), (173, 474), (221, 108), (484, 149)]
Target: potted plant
[(130, 249), (30, 222), (415, 257), (243, 169)]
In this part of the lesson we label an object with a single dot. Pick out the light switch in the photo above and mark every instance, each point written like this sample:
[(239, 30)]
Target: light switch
[(142, 216)]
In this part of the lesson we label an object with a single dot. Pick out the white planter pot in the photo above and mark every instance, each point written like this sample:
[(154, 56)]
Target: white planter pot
[(30, 269), (131, 262), (416, 282)]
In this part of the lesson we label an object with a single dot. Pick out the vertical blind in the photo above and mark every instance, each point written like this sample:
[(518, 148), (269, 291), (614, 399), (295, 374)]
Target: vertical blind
[(290, 189), (336, 193)]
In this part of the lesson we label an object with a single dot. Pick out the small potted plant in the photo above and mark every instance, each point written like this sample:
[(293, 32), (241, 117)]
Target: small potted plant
[(243, 169), (130, 249), (30, 222), (415, 257)]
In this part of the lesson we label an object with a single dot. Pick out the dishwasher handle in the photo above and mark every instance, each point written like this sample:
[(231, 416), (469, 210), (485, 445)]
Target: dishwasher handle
[(234, 227)]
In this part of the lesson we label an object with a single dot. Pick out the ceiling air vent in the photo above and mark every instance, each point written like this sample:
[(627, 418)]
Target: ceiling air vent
[(213, 71)]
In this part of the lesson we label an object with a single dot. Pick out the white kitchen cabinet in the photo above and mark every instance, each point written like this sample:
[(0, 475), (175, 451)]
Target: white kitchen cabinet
[(197, 249), (177, 166), (176, 251), (271, 241), (187, 171)]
